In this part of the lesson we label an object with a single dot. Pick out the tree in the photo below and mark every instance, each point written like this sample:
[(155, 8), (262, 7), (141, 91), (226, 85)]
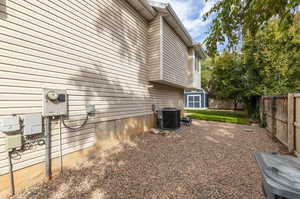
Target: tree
[(266, 35), (207, 67), (268, 64), (272, 59), (228, 75), (234, 19)]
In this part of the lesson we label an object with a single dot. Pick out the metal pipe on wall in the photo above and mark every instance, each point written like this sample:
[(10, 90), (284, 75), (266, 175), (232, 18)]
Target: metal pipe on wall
[(11, 175), (48, 148), (60, 145)]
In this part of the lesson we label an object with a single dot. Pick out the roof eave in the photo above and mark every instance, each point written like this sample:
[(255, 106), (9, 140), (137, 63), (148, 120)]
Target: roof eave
[(144, 8), (172, 19), (199, 49), (149, 10), (186, 37)]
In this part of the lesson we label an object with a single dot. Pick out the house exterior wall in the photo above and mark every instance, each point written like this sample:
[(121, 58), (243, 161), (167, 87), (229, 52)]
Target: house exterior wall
[(171, 62), (191, 69), (175, 57), (197, 72), (97, 51), (154, 59)]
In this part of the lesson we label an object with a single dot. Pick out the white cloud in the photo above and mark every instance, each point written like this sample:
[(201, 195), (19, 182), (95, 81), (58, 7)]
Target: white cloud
[(191, 13)]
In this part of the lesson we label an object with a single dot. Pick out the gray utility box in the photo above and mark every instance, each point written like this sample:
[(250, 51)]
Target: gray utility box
[(281, 175), (32, 125), (55, 102), (9, 124), (13, 142), (90, 109)]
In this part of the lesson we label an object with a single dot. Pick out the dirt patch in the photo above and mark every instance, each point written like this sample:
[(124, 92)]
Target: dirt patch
[(206, 161)]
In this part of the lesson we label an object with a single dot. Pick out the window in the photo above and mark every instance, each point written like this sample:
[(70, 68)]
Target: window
[(194, 101)]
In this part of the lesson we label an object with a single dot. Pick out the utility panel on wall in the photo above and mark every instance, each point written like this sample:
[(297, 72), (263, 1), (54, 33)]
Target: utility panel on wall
[(13, 142), (9, 124), (32, 125), (55, 102)]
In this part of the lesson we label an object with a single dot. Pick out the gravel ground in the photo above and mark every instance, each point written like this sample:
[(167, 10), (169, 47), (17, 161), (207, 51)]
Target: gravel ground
[(206, 161)]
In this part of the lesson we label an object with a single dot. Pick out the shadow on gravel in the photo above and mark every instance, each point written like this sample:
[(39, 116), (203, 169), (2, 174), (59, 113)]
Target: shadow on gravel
[(83, 181)]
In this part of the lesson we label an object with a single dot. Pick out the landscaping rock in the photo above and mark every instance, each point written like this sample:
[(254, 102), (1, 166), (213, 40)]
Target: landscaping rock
[(209, 160)]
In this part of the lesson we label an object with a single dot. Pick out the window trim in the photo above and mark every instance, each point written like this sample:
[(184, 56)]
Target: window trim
[(188, 101)]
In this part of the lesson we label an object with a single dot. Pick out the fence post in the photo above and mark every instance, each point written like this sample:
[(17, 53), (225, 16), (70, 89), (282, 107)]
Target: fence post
[(261, 108), (291, 120), (273, 115)]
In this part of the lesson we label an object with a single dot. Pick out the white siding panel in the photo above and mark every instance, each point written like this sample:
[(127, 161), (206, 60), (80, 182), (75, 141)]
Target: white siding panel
[(166, 96), (175, 57), (154, 58), (96, 50)]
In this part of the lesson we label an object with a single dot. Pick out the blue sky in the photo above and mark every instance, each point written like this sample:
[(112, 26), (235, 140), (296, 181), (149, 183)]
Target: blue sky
[(191, 13)]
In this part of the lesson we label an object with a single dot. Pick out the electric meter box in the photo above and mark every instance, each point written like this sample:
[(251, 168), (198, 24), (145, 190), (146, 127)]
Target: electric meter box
[(55, 102), (9, 124), (13, 142), (32, 125)]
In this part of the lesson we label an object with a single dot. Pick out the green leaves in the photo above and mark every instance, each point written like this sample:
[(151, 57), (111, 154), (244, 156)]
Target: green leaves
[(268, 64), (233, 19), (275, 57), (223, 76)]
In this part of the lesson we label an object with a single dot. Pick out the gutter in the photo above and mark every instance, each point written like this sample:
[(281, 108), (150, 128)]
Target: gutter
[(149, 8), (171, 17), (166, 10), (144, 8), (178, 21), (198, 47)]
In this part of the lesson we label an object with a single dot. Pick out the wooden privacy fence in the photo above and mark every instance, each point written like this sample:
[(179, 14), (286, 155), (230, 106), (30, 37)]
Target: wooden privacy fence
[(282, 116)]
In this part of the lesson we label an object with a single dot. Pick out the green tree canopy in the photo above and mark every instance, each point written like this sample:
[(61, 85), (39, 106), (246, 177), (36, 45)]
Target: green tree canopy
[(233, 19), (268, 64)]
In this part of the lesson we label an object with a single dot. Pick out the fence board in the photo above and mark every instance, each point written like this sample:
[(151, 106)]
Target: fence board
[(297, 123), (281, 119), (282, 114)]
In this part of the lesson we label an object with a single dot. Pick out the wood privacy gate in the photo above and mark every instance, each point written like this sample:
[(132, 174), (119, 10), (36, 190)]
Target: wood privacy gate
[(282, 116)]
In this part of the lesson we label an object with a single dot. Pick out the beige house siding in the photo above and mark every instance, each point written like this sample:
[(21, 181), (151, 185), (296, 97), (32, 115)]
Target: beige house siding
[(193, 75), (171, 62), (175, 57), (155, 49), (190, 72), (166, 96), (96, 50)]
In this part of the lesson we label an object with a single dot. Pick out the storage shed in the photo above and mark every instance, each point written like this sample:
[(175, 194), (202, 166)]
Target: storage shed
[(196, 99)]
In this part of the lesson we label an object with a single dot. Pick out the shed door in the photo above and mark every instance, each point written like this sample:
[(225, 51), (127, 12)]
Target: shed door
[(194, 101)]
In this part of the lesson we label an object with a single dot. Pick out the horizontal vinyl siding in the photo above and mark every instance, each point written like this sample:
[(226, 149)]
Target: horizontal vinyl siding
[(162, 95), (154, 58), (166, 96), (96, 50), (175, 57)]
